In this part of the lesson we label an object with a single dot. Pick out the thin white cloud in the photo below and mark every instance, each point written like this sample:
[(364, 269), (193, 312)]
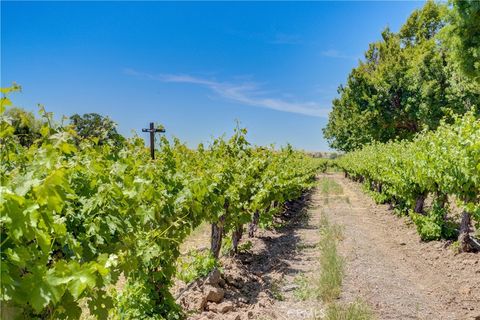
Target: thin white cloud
[(332, 53), (247, 93)]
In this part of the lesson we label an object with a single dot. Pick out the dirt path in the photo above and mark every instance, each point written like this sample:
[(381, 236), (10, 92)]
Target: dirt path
[(399, 276), (386, 265)]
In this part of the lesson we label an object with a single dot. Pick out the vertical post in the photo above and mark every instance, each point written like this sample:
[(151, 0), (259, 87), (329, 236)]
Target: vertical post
[(152, 131), (152, 140)]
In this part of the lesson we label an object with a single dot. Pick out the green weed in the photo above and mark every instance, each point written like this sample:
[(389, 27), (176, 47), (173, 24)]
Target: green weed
[(195, 264), (328, 286), (303, 291), (276, 291), (354, 311)]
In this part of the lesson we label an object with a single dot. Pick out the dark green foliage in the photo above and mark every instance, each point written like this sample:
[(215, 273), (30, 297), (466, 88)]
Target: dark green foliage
[(26, 126), (464, 36), (407, 82), (96, 127)]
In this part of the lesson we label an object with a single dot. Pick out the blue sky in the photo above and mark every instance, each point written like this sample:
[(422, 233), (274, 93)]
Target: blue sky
[(194, 67)]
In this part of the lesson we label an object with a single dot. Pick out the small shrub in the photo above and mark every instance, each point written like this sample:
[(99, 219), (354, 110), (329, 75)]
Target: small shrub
[(455, 247), (137, 301), (276, 292), (427, 228)]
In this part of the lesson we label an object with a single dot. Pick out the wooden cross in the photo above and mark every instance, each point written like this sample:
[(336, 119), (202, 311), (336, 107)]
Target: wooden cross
[(152, 131)]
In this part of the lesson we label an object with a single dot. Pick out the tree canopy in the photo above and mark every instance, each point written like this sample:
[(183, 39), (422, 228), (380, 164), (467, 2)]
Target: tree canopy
[(464, 35), (97, 127), (407, 82), (26, 126)]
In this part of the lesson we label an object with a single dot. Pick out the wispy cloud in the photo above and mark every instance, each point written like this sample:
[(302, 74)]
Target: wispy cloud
[(285, 38), (248, 93), (332, 53)]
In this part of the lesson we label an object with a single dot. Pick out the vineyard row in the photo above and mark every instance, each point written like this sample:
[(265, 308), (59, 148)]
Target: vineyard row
[(442, 164), (79, 213)]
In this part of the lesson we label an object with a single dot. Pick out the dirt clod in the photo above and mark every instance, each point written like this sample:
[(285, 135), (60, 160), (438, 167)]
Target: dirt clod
[(194, 301), (213, 294), (223, 307), (214, 277)]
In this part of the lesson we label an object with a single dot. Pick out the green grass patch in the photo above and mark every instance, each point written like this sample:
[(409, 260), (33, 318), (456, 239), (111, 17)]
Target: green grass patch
[(353, 311), (329, 186), (329, 283), (303, 290), (276, 291), (326, 285)]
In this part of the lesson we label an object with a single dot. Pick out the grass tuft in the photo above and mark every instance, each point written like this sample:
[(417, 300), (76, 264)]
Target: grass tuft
[(303, 290), (329, 282), (354, 311), (275, 290)]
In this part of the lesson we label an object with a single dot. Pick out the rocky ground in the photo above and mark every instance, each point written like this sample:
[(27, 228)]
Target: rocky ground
[(386, 265)]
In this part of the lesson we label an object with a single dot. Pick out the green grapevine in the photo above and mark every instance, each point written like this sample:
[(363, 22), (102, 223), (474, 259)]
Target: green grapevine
[(442, 163), (77, 215)]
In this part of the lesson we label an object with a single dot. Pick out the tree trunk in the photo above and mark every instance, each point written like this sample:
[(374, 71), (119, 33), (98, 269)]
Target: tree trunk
[(379, 187), (236, 236), (420, 202), (464, 236), (441, 200), (253, 225), (216, 237)]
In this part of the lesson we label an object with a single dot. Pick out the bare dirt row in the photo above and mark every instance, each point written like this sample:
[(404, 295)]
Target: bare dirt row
[(400, 276), (386, 266)]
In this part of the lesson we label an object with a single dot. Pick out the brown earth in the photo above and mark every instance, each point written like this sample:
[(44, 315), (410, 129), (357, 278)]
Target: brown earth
[(398, 275), (386, 265)]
